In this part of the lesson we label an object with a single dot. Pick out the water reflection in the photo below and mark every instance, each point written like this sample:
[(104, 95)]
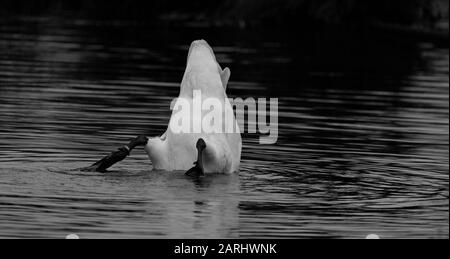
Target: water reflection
[(363, 144)]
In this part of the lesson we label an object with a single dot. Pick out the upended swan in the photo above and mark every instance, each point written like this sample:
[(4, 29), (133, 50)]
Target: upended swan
[(200, 151)]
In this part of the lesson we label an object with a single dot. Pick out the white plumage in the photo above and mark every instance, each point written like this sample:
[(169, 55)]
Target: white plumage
[(177, 151)]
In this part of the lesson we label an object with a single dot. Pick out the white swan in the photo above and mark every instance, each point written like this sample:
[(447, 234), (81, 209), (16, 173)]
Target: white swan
[(211, 152)]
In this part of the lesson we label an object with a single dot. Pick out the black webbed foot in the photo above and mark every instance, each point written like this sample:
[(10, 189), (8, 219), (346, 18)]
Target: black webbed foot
[(108, 161), (198, 169), (195, 171), (201, 145), (117, 156)]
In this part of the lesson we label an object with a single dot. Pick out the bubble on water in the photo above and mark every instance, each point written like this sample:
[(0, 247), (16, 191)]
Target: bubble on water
[(72, 236), (372, 236)]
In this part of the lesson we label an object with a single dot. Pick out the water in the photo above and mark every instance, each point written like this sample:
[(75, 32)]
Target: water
[(363, 143)]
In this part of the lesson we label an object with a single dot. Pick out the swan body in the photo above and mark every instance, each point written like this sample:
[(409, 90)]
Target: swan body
[(177, 150)]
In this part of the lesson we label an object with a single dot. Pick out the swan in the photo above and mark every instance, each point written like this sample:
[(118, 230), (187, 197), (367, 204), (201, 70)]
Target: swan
[(210, 152), (197, 152)]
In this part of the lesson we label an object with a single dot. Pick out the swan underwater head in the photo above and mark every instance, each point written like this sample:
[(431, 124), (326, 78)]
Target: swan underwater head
[(198, 150)]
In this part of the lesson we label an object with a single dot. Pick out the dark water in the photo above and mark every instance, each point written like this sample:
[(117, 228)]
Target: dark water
[(363, 145)]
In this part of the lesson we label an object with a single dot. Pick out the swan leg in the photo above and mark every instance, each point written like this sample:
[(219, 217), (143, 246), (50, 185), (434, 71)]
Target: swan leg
[(198, 169), (117, 156)]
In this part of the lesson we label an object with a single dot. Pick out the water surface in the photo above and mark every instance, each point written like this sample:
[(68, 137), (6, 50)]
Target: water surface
[(362, 148)]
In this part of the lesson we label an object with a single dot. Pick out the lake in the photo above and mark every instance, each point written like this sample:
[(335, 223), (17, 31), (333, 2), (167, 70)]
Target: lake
[(363, 142)]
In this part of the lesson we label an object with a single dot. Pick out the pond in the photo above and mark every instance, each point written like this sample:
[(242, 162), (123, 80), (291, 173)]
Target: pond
[(362, 147)]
